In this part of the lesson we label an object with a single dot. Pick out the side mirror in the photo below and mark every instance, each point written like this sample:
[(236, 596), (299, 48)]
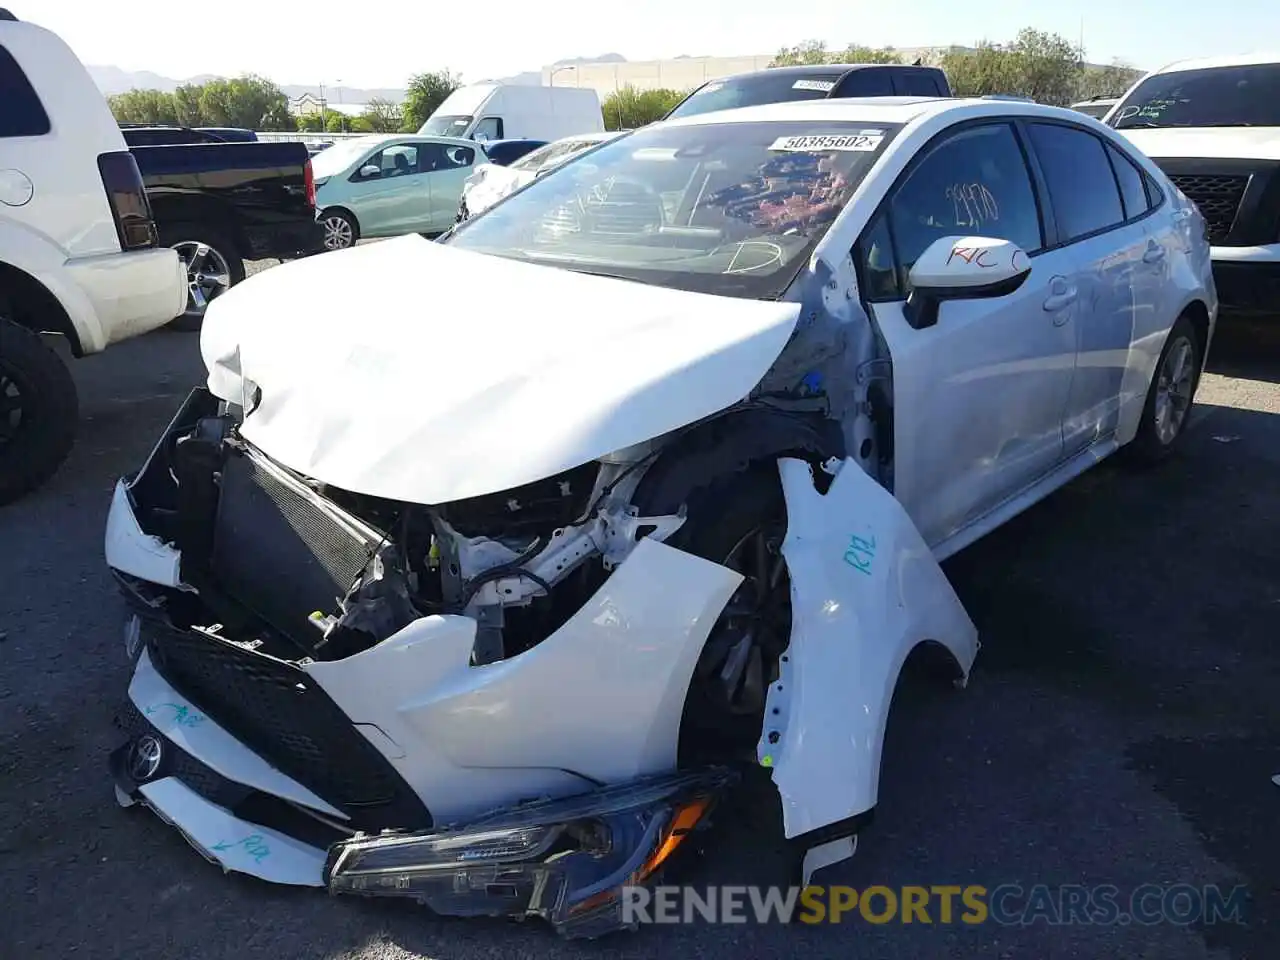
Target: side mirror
[(369, 170), (963, 268)]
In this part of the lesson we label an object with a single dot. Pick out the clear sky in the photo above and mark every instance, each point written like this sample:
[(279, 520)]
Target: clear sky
[(377, 44)]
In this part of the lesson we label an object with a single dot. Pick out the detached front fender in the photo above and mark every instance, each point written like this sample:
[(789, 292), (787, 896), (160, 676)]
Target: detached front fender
[(865, 591)]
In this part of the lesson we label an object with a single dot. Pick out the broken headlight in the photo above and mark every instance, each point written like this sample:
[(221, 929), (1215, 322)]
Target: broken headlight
[(564, 860)]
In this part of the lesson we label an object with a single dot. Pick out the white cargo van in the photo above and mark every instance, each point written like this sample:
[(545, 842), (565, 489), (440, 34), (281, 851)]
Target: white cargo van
[(507, 111)]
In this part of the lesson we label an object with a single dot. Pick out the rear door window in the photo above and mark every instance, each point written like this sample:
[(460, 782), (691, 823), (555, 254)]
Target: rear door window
[(1082, 188), (21, 112), (1133, 186)]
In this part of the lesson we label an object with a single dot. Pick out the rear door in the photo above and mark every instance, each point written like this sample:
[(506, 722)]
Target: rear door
[(446, 167), (1115, 268)]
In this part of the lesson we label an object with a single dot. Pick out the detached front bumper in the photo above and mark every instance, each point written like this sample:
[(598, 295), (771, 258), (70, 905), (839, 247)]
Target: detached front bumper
[(565, 860)]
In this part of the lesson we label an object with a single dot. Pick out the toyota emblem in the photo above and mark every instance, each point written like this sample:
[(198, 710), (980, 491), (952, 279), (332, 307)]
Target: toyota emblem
[(144, 758)]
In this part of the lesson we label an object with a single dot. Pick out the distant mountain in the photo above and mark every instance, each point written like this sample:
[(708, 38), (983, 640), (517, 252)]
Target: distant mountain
[(113, 80)]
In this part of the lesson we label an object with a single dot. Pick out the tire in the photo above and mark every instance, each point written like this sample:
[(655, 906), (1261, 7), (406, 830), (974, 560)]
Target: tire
[(721, 518), (1157, 436), (213, 267), (37, 436), (340, 229)]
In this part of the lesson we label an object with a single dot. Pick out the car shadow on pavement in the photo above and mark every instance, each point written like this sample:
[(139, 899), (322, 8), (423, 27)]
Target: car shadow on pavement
[(1247, 348)]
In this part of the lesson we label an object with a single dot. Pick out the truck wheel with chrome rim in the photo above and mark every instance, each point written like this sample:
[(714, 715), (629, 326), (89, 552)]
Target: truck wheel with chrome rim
[(1170, 396), (212, 263), (38, 411), (340, 229)]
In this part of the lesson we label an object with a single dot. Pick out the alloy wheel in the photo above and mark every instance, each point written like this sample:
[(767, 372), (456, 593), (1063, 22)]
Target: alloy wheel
[(1174, 388), (208, 274), (753, 630), (338, 234)]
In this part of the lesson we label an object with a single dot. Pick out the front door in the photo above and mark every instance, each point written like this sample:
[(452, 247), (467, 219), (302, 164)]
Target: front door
[(390, 193), (978, 398)]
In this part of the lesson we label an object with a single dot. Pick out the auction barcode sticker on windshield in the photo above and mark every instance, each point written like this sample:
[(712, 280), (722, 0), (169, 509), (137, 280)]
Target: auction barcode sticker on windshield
[(823, 86), (867, 140)]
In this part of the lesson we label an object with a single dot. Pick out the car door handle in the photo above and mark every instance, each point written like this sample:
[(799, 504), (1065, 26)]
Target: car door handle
[(1062, 294), (1154, 253)]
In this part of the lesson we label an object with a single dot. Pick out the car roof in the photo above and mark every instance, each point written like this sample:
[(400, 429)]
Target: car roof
[(1208, 63), (895, 110)]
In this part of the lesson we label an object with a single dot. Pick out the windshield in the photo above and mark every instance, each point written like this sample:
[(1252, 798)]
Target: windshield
[(1247, 96), (728, 208), (545, 158), (754, 89), (333, 160), (454, 126)]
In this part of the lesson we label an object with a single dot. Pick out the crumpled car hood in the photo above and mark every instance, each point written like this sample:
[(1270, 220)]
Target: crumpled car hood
[(418, 372)]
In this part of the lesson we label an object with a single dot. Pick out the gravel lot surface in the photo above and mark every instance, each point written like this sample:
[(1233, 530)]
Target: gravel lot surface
[(1122, 726)]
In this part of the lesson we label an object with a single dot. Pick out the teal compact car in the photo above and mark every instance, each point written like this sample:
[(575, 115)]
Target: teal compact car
[(385, 185)]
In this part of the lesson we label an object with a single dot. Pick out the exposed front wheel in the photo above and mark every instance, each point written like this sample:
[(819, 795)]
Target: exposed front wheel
[(740, 523), (38, 411), (340, 230), (213, 266), (1170, 396)]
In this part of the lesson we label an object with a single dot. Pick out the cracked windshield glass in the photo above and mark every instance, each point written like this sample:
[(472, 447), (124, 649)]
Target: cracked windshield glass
[(730, 209)]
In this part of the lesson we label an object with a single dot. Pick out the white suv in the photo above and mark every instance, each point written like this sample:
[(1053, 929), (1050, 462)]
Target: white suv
[(78, 249)]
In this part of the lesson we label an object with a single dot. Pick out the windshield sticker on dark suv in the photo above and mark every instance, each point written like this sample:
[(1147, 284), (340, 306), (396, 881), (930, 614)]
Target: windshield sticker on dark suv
[(825, 86), (867, 140)]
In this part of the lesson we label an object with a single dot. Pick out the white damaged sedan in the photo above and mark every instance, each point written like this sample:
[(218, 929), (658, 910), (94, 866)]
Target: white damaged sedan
[(484, 607)]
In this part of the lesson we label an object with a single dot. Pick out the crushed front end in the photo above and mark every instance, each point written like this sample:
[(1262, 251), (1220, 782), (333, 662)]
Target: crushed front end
[(311, 668)]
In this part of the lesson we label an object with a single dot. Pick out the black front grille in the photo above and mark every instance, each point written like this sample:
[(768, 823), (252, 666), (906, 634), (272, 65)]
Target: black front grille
[(278, 711), (1217, 195)]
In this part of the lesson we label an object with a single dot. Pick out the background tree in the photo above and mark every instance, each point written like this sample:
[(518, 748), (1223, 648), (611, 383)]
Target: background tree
[(250, 102), (336, 122), (310, 123), (1109, 81), (629, 108), (143, 106), (859, 54), (816, 52), (186, 104), (811, 51), (1042, 66), (382, 116), (426, 92)]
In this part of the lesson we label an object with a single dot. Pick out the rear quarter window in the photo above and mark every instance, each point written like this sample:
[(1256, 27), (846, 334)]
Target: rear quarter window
[(21, 112)]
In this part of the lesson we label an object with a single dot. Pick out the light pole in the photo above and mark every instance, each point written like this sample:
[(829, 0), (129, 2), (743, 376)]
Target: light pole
[(551, 80)]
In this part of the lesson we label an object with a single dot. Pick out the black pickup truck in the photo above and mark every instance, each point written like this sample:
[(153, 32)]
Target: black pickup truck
[(219, 203)]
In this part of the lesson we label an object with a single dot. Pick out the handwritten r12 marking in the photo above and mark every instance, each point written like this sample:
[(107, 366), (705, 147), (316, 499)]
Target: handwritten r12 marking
[(253, 844), (861, 553)]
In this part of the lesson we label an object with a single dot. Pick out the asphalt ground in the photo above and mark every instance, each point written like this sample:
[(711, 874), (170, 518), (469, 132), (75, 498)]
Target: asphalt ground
[(1122, 726)]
